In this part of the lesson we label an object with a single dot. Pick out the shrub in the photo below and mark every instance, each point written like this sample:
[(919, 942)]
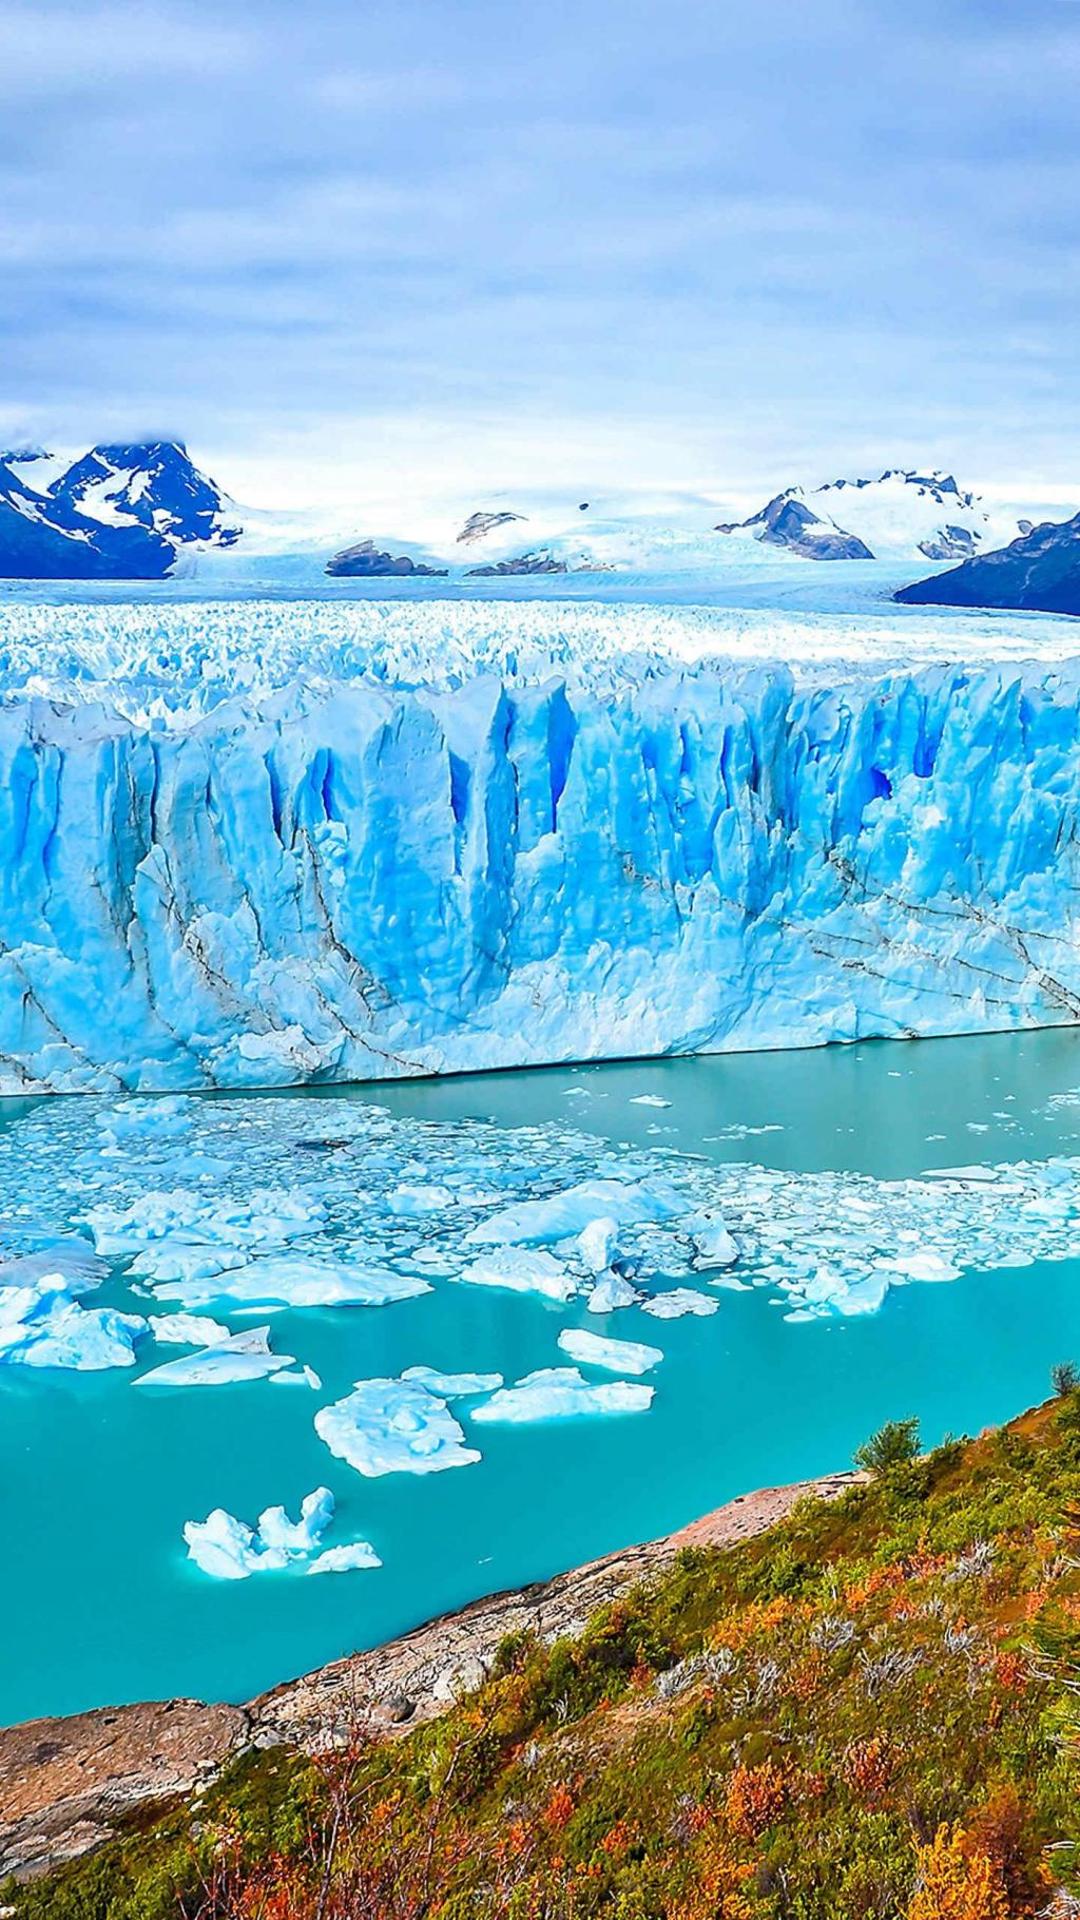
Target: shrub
[(957, 1881), (1065, 1378), (894, 1445)]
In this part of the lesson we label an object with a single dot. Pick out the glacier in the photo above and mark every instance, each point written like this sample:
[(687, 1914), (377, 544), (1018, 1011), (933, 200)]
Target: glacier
[(478, 837)]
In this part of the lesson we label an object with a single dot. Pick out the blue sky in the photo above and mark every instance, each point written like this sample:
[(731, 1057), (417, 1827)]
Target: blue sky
[(705, 245)]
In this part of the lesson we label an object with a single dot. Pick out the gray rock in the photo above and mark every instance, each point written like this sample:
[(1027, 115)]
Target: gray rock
[(540, 561), (479, 524), (1038, 573), (365, 561)]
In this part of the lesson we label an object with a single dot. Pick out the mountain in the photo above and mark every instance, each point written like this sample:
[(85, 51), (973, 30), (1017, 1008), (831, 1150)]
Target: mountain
[(898, 515), (788, 522), (1039, 573), (119, 513)]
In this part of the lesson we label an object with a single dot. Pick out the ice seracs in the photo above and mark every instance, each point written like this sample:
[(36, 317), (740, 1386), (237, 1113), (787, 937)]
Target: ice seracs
[(676, 829)]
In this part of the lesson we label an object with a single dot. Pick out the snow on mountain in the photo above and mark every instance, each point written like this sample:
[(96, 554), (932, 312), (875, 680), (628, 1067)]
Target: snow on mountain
[(1039, 572), (118, 512), (252, 844), (899, 515)]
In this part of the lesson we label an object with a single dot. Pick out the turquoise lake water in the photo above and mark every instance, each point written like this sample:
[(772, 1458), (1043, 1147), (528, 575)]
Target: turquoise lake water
[(98, 1602)]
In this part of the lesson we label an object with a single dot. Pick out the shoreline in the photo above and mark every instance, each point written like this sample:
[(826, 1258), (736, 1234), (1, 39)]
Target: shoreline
[(68, 1783)]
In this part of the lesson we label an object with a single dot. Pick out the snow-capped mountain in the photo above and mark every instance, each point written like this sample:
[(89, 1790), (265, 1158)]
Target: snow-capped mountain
[(899, 515), (1039, 573), (116, 513)]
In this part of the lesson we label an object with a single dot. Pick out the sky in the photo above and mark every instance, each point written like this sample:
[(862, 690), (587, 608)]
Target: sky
[(450, 244)]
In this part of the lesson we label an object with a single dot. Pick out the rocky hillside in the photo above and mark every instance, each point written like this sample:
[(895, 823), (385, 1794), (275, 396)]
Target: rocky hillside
[(1039, 573)]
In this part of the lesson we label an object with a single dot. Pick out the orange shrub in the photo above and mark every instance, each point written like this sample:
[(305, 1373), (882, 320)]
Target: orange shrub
[(756, 1798), (559, 1810), (956, 1880), (867, 1767)]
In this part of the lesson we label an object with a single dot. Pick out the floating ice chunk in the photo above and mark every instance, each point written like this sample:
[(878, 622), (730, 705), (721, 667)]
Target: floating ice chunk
[(186, 1330), (980, 1174), (677, 1301), (410, 1200), (305, 1377), (596, 1244), (276, 1530), (42, 1326), (925, 1265), (226, 1549), (67, 1262), (714, 1245), (156, 1117), (297, 1280), (564, 1215), (561, 1393), (267, 1215), (618, 1356), (648, 1100), (522, 1270), (611, 1293), (453, 1386), (240, 1356), (393, 1426), (346, 1559)]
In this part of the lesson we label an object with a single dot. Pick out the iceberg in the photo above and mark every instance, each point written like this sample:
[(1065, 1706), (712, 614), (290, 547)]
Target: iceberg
[(394, 1426), (296, 1377), (42, 1326), (452, 1386), (201, 1224), (618, 1356), (346, 1559), (561, 1393), (277, 1531), (228, 1549), (521, 1270), (294, 1280), (564, 1216), (676, 1302), (612, 1292), (238, 1357), (186, 1330), (714, 1245)]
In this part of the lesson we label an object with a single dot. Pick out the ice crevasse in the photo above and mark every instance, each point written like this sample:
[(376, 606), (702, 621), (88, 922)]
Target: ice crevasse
[(355, 880)]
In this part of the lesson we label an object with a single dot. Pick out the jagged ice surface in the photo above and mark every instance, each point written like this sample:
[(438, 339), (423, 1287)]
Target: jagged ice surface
[(556, 857)]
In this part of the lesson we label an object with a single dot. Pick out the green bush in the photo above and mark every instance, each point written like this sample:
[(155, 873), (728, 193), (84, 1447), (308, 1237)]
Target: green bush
[(894, 1445)]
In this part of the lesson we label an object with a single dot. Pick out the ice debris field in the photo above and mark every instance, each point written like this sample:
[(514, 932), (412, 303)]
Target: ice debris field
[(250, 845), (159, 1223)]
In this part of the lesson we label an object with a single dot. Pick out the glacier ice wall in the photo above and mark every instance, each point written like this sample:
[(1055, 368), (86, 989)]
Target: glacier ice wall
[(358, 880)]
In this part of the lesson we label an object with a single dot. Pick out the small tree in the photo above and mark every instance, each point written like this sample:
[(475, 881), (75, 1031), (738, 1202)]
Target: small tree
[(1065, 1378), (894, 1445)]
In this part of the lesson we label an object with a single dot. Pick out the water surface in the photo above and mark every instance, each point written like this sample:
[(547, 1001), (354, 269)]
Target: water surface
[(98, 1603)]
